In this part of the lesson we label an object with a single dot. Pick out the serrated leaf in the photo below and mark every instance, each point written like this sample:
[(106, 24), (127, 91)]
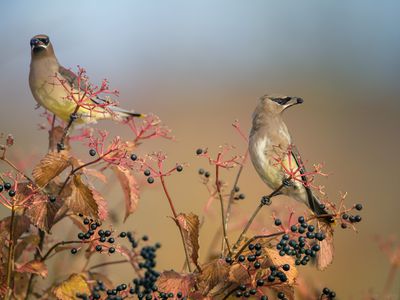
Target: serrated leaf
[(174, 282), (130, 189), (82, 199), (75, 284), (190, 228), (42, 211), (50, 166), (213, 273), (33, 267)]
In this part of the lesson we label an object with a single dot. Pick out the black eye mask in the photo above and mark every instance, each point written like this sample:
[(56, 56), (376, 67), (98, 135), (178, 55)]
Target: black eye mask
[(281, 101)]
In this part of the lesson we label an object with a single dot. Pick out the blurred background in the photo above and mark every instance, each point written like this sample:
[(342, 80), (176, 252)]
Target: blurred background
[(200, 65)]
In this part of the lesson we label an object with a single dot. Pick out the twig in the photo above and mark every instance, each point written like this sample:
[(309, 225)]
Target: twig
[(248, 224), (72, 118), (108, 263), (233, 191), (73, 171), (171, 204), (3, 158), (221, 201), (10, 264)]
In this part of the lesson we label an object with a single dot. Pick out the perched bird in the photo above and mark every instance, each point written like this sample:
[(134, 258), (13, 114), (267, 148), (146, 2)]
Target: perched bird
[(44, 80), (270, 139)]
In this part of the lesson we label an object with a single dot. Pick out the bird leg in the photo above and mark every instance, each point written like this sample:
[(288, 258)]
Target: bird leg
[(72, 118)]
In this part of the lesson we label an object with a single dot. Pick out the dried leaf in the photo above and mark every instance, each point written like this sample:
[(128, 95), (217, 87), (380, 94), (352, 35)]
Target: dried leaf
[(27, 243), (82, 199), (239, 274), (190, 227), (130, 189), (171, 281), (50, 167), (213, 273), (34, 267), (101, 203), (326, 252), (95, 173), (42, 211), (75, 284), (21, 225)]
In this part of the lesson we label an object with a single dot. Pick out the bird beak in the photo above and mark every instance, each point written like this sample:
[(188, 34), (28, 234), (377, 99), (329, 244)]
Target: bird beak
[(293, 101)]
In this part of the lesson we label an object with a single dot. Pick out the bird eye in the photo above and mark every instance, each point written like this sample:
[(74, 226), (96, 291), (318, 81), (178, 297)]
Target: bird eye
[(44, 41)]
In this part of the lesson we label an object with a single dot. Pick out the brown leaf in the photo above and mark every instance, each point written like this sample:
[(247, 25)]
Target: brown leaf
[(75, 284), (50, 167), (171, 281), (55, 136), (101, 203), (42, 211), (26, 243), (130, 189), (21, 225), (33, 267), (238, 274), (95, 174), (213, 273), (190, 228), (325, 254), (82, 199)]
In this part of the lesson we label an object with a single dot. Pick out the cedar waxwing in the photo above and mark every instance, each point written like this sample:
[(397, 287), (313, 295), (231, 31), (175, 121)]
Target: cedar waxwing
[(49, 93), (269, 140)]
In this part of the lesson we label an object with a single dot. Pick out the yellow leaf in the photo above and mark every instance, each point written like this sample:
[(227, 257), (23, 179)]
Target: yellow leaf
[(75, 284)]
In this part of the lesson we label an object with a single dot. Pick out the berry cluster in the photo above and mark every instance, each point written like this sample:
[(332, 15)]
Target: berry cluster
[(117, 293), (302, 244), (347, 218), (238, 196), (328, 294), (8, 187), (204, 173), (274, 276), (105, 239)]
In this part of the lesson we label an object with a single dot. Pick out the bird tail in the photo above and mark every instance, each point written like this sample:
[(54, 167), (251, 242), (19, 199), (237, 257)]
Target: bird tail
[(126, 114), (319, 209)]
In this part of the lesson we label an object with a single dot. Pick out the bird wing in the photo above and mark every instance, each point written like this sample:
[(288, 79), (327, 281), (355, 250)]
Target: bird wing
[(72, 79), (311, 198)]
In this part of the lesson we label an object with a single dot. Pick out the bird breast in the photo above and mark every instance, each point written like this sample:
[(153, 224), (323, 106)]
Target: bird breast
[(262, 154)]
